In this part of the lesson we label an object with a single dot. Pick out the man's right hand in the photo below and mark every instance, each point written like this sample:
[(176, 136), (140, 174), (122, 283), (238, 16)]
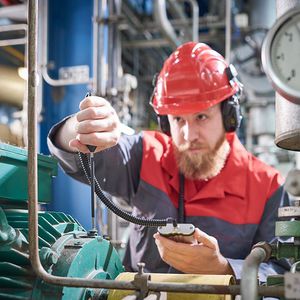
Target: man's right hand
[(96, 124)]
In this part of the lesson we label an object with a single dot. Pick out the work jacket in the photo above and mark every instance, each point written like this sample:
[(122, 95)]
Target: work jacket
[(238, 206)]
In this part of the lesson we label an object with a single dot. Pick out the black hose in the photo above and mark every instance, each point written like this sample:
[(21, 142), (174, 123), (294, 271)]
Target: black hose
[(117, 210)]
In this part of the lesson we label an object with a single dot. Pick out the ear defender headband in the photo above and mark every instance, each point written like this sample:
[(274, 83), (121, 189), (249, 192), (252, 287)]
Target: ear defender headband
[(230, 108)]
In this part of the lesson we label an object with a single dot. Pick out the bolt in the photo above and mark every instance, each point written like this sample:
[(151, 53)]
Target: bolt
[(52, 258), (89, 294), (140, 266)]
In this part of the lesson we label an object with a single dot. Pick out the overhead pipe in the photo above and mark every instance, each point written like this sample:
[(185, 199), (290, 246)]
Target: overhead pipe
[(184, 21), (160, 16), (139, 27)]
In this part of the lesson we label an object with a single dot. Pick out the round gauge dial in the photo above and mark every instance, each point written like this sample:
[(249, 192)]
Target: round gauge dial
[(281, 55)]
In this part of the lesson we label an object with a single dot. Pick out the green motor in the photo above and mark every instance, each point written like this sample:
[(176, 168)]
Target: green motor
[(65, 248)]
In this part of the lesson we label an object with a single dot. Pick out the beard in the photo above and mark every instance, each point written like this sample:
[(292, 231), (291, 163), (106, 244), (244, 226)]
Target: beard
[(201, 166)]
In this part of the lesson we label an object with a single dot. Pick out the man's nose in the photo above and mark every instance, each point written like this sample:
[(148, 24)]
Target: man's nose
[(190, 132)]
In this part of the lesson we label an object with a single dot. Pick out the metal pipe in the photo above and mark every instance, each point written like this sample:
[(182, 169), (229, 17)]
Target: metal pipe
[(160, 16), (204, 22), (95, 44), (15, 12), (228, 31), (132, 19), (13, 27), (101, 60), (249, 285), (144, 44), (13, 42), (158, 43), (114, 48), (44, 66), (195, 13)]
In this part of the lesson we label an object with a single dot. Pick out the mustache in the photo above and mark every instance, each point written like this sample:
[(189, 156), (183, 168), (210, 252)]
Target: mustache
[(190, 146)]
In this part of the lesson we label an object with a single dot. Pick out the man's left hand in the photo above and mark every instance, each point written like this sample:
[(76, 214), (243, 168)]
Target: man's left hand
[(201, 258)]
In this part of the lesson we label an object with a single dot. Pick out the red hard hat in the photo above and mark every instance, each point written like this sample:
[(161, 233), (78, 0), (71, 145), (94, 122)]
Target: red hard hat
[(192, 79)]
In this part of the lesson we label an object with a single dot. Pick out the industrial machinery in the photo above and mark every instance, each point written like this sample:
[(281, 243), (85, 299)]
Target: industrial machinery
[(65, 247), (49, 255)]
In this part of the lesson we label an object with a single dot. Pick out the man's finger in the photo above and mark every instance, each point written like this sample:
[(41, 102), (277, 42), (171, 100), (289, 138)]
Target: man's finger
[(79, 146), (92, 113), (92, 101), (207, 240), (98, 125)]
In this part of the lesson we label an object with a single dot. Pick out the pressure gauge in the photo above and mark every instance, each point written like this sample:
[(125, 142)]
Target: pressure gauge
[(281, 55)]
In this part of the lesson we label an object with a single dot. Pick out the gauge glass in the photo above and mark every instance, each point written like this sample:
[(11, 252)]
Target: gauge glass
[(285, 53)]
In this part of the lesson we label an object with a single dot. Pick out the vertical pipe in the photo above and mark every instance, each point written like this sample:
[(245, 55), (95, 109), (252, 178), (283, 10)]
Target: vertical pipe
[(102, 64), (99, 55), (161, 18), (228, 31), (195, 16), (195, 8), (32, 130), (95, 43)]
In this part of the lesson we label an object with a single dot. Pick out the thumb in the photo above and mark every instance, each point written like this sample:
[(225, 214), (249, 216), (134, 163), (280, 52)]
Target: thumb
[(207, 240)]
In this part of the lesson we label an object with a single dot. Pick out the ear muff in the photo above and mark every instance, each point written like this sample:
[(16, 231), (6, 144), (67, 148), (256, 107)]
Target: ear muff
[(231, 114), (164, 124), (162, 120)]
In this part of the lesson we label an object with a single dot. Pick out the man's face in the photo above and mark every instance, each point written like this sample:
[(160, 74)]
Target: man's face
[(199, 141)]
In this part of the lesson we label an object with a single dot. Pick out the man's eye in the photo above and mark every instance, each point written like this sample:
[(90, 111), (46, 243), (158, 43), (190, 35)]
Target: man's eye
[(177, 119), (201, 117)]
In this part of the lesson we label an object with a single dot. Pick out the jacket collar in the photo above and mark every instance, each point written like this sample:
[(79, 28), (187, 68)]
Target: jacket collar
[(231, 180)]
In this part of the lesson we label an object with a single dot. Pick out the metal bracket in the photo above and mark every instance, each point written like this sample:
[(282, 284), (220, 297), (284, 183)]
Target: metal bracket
[(141, 282)]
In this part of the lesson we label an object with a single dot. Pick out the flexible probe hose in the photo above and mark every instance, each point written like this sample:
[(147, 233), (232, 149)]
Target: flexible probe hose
[(114, 208)]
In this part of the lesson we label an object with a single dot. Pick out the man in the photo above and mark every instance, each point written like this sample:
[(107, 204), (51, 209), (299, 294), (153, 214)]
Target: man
[(228, 194)]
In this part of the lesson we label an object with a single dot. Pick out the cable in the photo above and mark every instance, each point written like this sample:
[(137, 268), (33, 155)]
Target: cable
[(114, 208)]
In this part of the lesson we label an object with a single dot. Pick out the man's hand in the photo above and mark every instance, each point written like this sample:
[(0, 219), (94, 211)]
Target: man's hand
[(201, 258), (96, 124)]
